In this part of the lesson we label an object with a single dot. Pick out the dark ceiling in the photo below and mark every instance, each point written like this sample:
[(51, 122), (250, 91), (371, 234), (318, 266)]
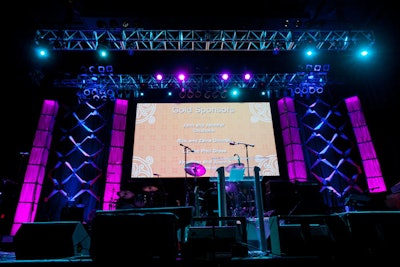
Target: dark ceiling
[(341, 14), (214, 14)]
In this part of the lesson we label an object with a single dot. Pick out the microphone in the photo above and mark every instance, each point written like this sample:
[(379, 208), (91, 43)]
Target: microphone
[(239, 143), (191, 150), (236, 155)]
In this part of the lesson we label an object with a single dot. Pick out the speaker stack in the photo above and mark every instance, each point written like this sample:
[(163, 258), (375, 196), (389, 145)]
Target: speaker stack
[(120, 237), (51, 240)]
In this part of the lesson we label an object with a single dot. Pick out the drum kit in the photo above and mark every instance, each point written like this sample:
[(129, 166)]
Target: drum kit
[(145, 198), (195, 169), (239, 201)]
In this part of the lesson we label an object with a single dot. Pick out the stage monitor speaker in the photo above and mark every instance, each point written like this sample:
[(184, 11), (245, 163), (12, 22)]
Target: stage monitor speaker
[(124, 237), (374, 233), (51, 240), (211, 242), (304, 235)]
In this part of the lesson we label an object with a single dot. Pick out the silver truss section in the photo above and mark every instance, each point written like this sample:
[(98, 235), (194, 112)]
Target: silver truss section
[(203, 40), (136, 82)]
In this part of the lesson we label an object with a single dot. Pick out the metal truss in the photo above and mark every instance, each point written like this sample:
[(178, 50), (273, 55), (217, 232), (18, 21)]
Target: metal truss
[(203, 40), (136, 82)]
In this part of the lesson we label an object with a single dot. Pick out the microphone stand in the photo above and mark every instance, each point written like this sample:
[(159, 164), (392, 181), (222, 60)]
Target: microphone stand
[(185, 149), (186, 185), (248, 166), (247, 160), (247, 156)]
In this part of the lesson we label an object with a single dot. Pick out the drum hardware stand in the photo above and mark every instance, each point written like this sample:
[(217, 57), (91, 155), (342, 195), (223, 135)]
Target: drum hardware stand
[(247, 156), (187, 193), (196, 170)]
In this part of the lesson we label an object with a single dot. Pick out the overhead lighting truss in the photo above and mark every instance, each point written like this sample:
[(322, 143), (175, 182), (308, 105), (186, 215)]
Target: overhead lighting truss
[(193, 81), (203, 40)]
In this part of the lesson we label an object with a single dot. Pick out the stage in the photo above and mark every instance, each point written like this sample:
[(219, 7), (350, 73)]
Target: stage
[(154, 237)]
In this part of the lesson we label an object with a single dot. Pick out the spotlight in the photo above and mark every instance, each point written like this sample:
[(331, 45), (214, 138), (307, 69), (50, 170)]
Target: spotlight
[(364, 53), (215, 94), (247, 76), (309, 67), (109, 69), (43, 52), (111, 94), (207, 94), (224, 93), (87, 92), (101, 69), (190, 94), (127, 93), (326, 67), (182, 94), (159, 77), (286, 23), (181, 77), (235, 92), (197, 94), (309, 53), (317, 68), (103, 53), (125, 24), (92, 69)]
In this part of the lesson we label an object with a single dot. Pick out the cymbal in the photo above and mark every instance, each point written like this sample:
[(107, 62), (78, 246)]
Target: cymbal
[(195, 169), (234, 166), (126, 194), (150, 188), (230, 188)]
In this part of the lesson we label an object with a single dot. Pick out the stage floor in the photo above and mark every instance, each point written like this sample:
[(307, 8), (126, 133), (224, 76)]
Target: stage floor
[(305, 240)]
